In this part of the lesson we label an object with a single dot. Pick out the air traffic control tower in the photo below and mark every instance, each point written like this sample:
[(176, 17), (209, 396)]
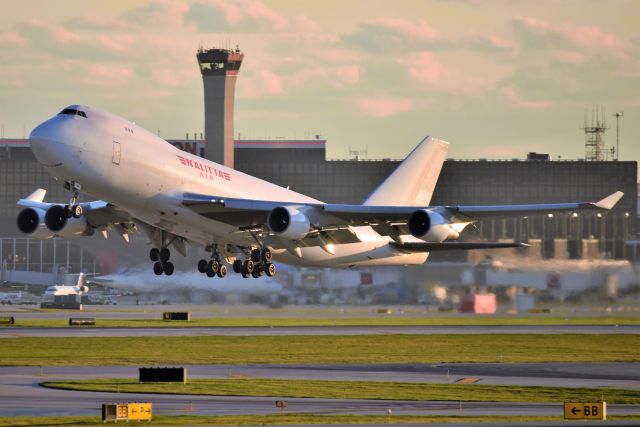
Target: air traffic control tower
[(219, 68)]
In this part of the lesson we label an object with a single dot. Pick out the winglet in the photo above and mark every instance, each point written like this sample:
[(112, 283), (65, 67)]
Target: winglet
[(37, 196), (610, 201)]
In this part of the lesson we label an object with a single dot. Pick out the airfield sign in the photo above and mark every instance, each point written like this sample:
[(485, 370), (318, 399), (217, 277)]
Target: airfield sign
[(585, 410)]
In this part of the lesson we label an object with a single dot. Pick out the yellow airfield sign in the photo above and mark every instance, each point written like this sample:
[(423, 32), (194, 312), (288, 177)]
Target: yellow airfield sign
[(585, 410)]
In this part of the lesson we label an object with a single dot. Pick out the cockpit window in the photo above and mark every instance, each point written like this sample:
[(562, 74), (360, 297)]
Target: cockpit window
[(73, 112)]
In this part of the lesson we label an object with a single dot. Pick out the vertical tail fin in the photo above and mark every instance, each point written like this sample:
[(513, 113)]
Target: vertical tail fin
[(37, 196), (413, 181)]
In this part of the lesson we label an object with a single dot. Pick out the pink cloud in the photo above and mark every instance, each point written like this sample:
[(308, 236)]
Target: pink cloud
[(428, 72), (514, 97), (247, 15), (100, 74), (536, 31), (420, 31), (12, 39), (260, 83), (349, 74), (117, 42), (384, 107), (41, 30)]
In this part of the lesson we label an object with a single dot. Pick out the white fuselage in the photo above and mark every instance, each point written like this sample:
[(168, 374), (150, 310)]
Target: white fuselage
[(123, 164)]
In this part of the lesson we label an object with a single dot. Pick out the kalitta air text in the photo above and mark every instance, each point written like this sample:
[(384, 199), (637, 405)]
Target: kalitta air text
[(206, 171)]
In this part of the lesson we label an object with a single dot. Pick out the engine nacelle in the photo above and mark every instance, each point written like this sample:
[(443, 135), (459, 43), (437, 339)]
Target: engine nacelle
[(31, 221), (83, 289), (431, 226), (58, 222), (289, 222)]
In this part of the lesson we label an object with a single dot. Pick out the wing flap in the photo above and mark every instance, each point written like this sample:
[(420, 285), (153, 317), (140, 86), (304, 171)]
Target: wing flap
[(461, 246)]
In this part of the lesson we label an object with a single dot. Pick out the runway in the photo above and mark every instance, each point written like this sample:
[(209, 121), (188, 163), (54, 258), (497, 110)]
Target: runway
[(22, 396), (12, 331)]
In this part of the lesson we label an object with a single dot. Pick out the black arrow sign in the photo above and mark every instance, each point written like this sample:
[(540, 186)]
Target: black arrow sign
[(575, 410)]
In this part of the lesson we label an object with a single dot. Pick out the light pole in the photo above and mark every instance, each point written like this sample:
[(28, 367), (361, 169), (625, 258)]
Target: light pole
[(618, 115)]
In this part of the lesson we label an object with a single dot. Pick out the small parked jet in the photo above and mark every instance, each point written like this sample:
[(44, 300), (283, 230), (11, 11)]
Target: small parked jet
[(177, 198)]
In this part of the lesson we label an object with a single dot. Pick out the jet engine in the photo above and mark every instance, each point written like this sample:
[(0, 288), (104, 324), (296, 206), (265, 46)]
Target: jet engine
[(58, 222), (31, 221), (430, 226), (83, 289), (289, 222)]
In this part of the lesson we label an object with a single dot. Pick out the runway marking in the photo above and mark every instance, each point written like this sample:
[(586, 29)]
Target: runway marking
[(468, 380)]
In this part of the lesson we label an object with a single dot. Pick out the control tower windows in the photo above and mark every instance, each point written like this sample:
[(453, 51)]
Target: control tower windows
[(214, 66)]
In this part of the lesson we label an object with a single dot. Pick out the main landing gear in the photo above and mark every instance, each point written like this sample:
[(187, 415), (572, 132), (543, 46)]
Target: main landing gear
[(160, 257), (214, 267), (256, 265)]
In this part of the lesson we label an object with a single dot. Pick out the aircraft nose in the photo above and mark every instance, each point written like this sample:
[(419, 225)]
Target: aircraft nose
[(47, 141)]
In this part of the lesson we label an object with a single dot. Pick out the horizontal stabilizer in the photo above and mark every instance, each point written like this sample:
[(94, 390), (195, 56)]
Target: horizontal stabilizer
[(610, 201), (460, 246)]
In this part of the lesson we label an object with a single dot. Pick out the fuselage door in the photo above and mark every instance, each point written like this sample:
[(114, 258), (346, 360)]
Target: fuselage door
[(116, 153)]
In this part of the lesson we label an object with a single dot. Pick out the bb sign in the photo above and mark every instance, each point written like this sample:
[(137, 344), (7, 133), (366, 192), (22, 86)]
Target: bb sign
[(585, 411)]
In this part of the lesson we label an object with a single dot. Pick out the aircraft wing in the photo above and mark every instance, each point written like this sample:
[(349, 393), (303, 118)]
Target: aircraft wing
[(98, 214), (252, 212), (460, 246)]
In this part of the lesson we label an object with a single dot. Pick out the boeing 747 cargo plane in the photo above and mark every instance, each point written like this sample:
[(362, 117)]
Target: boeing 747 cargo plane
[(178, 199)]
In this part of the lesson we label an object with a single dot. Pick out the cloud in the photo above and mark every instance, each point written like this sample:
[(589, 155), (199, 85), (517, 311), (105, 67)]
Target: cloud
[(256, 84), (536, 33), (427, 72), (99, 74), (244, 15), (158, 13), (384, 107), (490, 43), (393, 34), (516, 100), (349, 74)]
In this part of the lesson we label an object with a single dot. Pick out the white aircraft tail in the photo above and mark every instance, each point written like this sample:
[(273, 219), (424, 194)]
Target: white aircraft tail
[(414, 180), (37, 196)]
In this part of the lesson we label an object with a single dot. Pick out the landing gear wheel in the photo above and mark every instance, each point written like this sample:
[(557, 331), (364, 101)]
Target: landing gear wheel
[(214, 265), (154, 254), (270, 269), (157, 268), (255, 274), (248, 266), (202, 266), (210, 273), (237, 266), (222, 271), (76, 211), (266, 255), (165, 254), (168, 268), (245, 274), (255, 255)]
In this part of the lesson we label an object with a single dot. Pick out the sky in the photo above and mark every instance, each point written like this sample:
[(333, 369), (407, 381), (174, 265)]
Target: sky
[(495, 78)]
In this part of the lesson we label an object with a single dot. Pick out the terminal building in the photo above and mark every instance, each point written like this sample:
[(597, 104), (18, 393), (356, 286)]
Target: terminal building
[(302, 166)]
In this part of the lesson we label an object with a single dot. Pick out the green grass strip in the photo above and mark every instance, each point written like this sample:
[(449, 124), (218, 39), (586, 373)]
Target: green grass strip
[(378, 390), (278, 419), (380, 320), (36, 351)]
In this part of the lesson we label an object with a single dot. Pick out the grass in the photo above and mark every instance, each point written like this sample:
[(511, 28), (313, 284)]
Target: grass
[(380, 320), (276, 419), (508, 348), (283, 419), (378, 390)]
